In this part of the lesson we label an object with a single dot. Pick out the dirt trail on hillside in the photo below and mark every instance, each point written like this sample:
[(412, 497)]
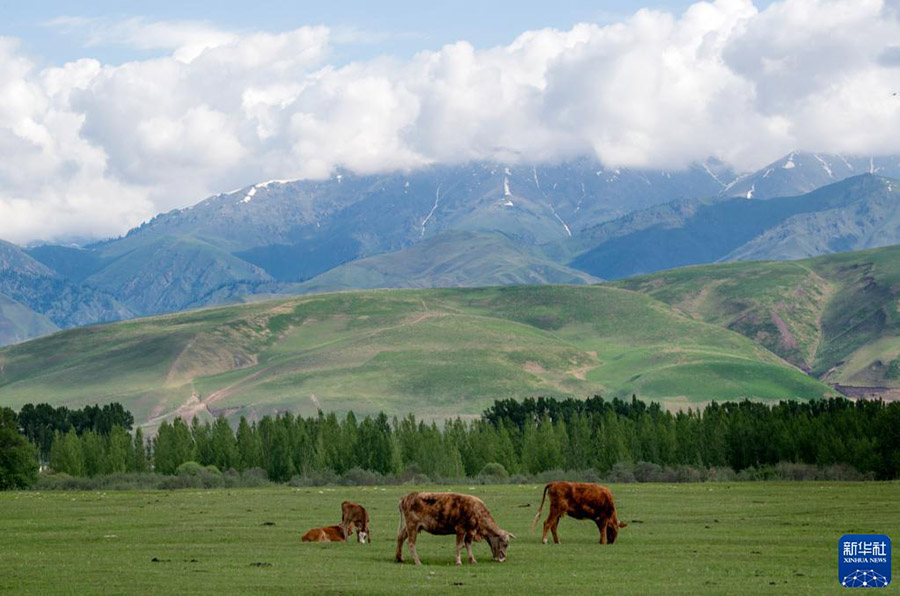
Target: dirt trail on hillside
[(828, 293), (170, 374), (194, 405)]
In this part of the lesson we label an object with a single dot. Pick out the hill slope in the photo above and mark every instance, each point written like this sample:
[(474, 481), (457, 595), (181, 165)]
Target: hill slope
[(18, 323), (837, 316), (450, 259), (433, 352)]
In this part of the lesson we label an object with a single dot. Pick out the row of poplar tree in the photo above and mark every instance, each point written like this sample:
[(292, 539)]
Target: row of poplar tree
[(530, 436)]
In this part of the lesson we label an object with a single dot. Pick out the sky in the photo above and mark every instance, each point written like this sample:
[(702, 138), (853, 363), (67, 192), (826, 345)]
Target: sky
[(111, 112)]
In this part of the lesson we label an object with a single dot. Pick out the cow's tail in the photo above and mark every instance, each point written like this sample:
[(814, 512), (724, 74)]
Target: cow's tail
[(540, 509)]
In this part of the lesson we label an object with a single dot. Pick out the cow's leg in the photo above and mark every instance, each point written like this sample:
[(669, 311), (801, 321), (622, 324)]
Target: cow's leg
[(550, 525), (469, 548), (601, 525), (547, 524), (401, 537), (412, 531), (459, 544), (553, 529)]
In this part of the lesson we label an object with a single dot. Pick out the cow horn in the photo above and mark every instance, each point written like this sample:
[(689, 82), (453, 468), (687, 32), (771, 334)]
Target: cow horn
[(510, 535)]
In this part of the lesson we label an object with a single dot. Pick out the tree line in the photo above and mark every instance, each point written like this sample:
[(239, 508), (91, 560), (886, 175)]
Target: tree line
[(513, 437)]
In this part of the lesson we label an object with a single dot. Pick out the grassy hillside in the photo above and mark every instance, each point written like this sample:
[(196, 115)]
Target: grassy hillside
[(18, 322), (433, 352), (836, 316), (449, 259)]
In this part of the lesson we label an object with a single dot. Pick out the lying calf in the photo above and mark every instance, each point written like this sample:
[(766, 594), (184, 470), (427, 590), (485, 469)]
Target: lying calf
[(326, 534)]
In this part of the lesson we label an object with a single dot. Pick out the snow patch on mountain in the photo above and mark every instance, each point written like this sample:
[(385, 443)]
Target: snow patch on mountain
[(825, 166)]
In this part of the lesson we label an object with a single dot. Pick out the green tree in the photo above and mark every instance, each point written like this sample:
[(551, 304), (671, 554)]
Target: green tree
[(92, 445), (224, 445), (172, 446), (117, 450), (18, 457), (139, 459), (201, 433), (248, 446), (66, 454)]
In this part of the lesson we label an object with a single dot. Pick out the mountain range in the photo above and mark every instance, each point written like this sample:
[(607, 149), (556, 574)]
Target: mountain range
[(442, 226)]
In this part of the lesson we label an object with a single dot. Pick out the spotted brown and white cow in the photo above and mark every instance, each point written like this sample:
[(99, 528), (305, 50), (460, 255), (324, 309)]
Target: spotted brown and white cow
[(326, 534), (449, 513), (355, 516), (580, 500)]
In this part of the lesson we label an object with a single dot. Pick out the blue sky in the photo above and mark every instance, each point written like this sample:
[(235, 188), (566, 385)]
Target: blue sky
[(398, 28)]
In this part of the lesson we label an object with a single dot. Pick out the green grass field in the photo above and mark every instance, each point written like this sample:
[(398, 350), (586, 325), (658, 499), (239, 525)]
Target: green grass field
[(746, 538)]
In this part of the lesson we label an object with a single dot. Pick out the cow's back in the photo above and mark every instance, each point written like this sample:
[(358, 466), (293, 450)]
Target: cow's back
[(443, 513), (582, 500)]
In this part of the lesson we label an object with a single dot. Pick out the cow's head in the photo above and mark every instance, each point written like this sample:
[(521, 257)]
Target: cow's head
[(499, 543), (612, 530), (363, 536)]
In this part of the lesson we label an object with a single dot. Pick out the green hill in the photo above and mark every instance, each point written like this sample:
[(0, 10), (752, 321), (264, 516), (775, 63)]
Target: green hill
[(449, 259), (432, 352), (837, 316)]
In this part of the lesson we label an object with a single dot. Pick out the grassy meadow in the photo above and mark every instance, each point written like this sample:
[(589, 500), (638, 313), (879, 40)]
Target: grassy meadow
[(686, 538)]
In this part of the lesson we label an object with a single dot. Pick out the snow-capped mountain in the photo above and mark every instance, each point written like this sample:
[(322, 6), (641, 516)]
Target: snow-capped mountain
[(530, 222), (799, 172)]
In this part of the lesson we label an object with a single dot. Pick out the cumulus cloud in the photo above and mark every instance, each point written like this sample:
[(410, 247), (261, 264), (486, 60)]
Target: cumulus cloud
[(91, 149)]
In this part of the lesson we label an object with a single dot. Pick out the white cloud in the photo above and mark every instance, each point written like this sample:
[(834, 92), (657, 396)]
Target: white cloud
[(91, 149)]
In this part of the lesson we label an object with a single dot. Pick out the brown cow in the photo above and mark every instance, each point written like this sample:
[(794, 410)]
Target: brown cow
[(449, 513), (354, 515), (580, 500), (326, 534)]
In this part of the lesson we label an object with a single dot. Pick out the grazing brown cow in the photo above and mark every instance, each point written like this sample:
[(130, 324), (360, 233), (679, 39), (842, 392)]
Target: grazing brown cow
[(326, 534), (354, 515), (449, 513), (580, 500)]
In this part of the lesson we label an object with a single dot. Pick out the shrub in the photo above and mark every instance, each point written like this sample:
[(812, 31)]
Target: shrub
[(316, 478), (494, 470), (190, 474), (254, 477), (621, 473), (189, 468), (360, 477), (551, 476)]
